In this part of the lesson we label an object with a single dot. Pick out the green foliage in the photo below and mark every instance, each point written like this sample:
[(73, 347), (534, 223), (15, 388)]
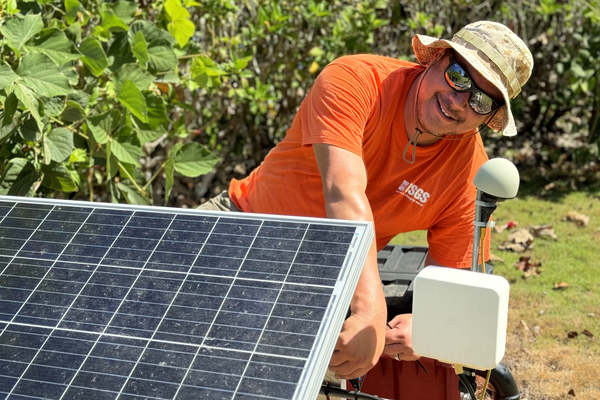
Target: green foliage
[(79, 86), (135, 82)]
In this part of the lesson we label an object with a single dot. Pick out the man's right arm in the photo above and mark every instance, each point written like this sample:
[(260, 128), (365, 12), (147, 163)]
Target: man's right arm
[(361, 341)]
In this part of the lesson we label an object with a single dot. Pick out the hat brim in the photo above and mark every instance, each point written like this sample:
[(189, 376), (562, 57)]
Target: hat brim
[(425, 48)]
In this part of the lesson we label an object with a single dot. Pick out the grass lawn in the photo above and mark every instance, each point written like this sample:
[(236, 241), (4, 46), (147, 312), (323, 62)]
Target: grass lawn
[(547, 363)]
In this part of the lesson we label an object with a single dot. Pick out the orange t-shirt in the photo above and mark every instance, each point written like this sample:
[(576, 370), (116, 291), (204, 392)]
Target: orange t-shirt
[(357, 104)]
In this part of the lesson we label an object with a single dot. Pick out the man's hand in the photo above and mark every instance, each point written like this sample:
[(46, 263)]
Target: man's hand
[(398, 339), (358, 347)]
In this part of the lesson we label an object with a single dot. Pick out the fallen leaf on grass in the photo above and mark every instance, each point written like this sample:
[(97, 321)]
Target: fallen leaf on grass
[(580, 219), (525, 264), (524, 326), (588, 333), (509, 225), (561, 286), (536, 330), (527, 267), (518, 241), (572, 335), (543, 230), (532, 272)]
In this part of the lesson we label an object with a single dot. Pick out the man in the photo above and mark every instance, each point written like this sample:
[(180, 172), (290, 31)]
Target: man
[(367, 144)]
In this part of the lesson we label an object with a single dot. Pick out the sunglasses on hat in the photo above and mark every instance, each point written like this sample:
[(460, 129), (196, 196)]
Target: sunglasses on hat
[(459, 80)]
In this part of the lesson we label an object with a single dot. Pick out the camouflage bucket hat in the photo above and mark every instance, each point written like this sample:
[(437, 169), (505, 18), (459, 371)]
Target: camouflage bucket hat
[(496, 52)]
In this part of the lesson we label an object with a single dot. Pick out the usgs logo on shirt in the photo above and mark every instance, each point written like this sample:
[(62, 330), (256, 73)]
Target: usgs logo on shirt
[(413, 193)]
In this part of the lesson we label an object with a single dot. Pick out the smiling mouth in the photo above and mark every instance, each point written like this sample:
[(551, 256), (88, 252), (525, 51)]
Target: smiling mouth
[(444, 111)]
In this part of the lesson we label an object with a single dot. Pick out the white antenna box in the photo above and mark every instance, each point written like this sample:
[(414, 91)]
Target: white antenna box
[(460, 317)]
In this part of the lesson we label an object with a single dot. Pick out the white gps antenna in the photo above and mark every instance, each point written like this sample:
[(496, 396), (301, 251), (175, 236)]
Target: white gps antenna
[(496, 180), (460, 317)]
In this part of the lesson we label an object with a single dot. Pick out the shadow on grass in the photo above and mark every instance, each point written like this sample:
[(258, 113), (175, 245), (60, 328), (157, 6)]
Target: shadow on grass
[(532, 185)]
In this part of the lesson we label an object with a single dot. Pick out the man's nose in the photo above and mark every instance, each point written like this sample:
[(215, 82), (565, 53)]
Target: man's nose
[(460, 100)]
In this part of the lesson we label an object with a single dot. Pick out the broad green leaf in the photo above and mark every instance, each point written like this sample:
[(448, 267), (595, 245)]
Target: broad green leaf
[(126, 147), (71, 8), (19, 30), (161, 57), (120, 51), (60, 142), (131, 97), (55, 44), (7, 131), (102, 125), (30, 131), (10, 107), (75, 12), (169, 172), (153, 130), (136, 74), (39, 73), (7, 76), (95, 58), (74, 175), (140, 48), (148, 135), (194, 159), (11, 118), (30, 101), (151, 32), (47, 153), (58, 177), (113, 23), (132, 196), (80, 97), (53, 106), (73, 33), (125, 10), (242, 62), (126, 152), (73, 112), (78, 155), (174, 150), (98, 131), (69, 71), (180, 25), (93, 99), (10, 7), (18, 178), (157, 119)]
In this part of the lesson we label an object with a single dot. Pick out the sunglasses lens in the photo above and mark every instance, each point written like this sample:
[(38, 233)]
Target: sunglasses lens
[(481, 103), (457, 77), (460, 80)]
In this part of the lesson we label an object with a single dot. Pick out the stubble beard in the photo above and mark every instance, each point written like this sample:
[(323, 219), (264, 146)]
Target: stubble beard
[(428, 129)]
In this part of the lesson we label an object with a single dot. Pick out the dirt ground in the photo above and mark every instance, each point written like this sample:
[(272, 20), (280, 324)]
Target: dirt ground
[(552, 373)]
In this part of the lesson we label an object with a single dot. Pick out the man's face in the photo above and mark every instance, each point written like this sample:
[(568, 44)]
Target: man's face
[(446, 111)]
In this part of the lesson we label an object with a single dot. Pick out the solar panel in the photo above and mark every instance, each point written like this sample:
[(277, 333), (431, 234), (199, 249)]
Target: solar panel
[(101, 301)]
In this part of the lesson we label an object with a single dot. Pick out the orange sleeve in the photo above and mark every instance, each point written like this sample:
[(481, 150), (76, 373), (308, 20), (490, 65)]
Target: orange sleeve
[(338, 106)]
